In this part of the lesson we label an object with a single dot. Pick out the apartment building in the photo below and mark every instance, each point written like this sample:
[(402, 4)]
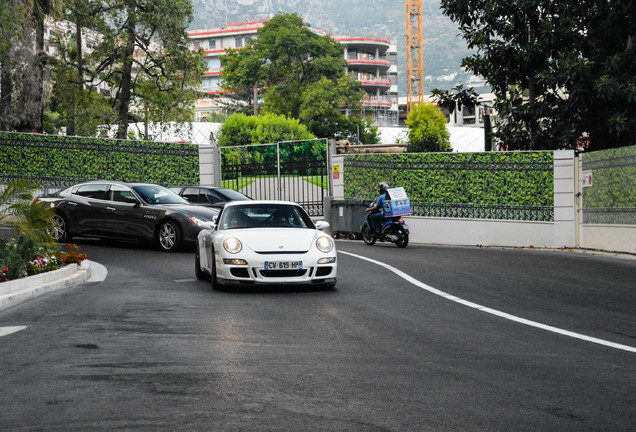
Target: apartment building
[(372, 61), (214, 42)]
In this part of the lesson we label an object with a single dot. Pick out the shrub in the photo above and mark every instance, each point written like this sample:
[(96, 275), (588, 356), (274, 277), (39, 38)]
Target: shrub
[(240, 129), (25, 257), (427, 129)]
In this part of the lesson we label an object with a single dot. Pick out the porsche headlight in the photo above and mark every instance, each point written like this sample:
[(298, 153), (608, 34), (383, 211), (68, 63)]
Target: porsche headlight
[(232, 245), (324, 244)]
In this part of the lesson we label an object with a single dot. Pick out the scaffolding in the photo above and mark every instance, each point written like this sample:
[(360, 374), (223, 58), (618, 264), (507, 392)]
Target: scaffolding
[(414, 54)]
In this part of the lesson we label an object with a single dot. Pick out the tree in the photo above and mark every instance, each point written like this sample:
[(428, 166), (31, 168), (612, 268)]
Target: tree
[(39, 10), (19, 101), (427, 129), (461, 97), (242, 74), (144, 56), (293, 68), (76, 73), (321, 110), (562, 72), (82, 110)]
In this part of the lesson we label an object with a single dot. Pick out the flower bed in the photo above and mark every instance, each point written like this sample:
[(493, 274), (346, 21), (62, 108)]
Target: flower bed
[(24, 257)]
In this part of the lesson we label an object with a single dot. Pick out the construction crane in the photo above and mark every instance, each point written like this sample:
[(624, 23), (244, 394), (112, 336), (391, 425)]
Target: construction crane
[(414, 54)]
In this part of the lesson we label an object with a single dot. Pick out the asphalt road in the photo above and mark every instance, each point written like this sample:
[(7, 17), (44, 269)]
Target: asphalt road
[(153, 349)]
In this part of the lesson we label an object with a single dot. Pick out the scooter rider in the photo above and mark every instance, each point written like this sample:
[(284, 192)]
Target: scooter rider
[(377, 217)]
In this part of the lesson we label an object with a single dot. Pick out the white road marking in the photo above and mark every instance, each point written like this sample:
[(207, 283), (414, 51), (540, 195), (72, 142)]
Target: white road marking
[(493, 311), (4, 331)]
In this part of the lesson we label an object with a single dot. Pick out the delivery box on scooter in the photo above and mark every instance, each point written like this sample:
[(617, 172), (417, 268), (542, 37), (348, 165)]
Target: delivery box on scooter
[(398, 205)]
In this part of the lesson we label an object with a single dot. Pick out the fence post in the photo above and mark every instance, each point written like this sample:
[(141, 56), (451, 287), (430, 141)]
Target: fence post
[(280, 184), (564, 198), (209, 169)]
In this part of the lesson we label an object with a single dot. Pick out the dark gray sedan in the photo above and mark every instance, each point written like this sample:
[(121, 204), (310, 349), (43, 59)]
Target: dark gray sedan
[(208, 196), (128, 211)]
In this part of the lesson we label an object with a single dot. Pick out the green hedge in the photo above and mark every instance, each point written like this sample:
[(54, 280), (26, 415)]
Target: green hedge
[(493, 185), (60, 160), (612, 196)]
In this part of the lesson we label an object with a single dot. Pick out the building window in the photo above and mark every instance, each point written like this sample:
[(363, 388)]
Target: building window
[(212, 44), (197, 45), (213, 64), (214, 84), (238, 42)]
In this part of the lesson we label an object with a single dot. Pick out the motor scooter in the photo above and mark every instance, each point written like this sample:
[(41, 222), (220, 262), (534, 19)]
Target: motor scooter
[(394, 230)]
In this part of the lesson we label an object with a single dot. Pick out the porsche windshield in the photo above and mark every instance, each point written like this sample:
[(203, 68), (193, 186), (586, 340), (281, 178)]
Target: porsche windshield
[(264, 216)]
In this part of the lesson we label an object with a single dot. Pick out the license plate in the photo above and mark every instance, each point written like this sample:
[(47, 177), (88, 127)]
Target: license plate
[(283, 265)]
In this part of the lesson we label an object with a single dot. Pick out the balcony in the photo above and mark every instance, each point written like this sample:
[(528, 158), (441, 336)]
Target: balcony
[(375, 101), (369, 62)]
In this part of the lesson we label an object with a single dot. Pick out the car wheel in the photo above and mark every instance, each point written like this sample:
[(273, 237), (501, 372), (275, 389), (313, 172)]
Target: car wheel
[(403, 237), (367, 236), (60, 229), (198, 272), (169, 236)]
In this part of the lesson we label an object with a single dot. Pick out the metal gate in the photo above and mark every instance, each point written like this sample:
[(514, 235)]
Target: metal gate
[(291, 171)]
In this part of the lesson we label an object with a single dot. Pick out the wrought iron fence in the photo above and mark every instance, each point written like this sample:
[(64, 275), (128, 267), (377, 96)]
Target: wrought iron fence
[(56, 162), (609, 186), (511, 186), (293, 171)]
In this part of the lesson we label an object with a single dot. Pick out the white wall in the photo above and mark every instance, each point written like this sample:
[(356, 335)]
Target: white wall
[(617, 238), (487, 232)]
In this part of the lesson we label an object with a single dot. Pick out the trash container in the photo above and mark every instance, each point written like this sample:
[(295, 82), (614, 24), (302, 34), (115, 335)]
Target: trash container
[(347, 216)]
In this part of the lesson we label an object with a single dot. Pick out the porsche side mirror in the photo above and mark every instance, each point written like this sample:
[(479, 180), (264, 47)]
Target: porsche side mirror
[(322, 225)]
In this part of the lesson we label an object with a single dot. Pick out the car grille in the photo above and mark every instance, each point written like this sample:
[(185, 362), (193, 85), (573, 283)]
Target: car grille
[(280, 252), (239, 272), (283, 273), (323, 271)]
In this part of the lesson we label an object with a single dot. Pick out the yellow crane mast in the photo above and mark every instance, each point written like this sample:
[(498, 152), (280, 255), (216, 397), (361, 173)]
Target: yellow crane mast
[(414, 54)]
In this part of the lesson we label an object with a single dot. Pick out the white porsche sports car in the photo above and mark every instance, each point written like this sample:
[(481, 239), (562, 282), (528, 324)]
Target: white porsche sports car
[(270, 242)]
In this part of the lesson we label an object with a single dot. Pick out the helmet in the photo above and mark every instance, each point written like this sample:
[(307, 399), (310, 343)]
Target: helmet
[(383, 187)]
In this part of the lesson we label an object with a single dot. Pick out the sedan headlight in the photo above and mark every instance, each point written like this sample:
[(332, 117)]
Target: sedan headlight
[(232, 245), (324, 244), (201, 223)]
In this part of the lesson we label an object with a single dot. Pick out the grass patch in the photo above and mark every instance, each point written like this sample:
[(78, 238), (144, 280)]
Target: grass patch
[(237, 184), (320, 181)]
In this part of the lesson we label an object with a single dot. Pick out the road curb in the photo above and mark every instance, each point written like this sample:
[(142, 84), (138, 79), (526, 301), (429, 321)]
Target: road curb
[(20, 290)]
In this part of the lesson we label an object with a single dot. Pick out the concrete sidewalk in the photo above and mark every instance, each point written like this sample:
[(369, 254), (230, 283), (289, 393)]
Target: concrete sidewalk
[(20, 290)]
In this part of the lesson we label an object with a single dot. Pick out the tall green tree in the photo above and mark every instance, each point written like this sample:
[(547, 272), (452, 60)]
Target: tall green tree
[(563, 72), (76, 72), (321, 110), (145, 53), (292, 67)]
